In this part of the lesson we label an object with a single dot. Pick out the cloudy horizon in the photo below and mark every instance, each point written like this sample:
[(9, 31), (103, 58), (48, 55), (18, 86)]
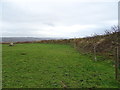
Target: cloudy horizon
[(50, 18)]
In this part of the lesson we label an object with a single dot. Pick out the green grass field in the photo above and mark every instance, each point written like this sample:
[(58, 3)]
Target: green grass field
[(53, 66)]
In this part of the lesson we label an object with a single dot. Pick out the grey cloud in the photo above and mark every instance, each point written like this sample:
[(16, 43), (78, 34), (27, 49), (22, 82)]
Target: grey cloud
[(49, 24), (32, 17)]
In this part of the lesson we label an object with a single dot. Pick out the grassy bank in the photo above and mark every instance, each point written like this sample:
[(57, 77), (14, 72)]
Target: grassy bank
[(54, 66)]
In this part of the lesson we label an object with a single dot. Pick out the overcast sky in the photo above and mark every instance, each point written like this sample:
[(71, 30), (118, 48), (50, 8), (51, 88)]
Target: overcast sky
[(57, 18)]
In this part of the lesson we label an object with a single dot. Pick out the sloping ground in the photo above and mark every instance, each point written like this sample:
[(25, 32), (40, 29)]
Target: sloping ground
[(105, 44), (54, 66)]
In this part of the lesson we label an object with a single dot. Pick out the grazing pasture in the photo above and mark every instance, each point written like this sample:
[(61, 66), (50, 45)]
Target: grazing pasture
[(54, 66)]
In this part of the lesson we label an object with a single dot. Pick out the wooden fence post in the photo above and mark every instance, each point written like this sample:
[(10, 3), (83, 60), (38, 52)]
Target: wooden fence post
[(117, 55), (116, 63), (95, 57), (118, 40)]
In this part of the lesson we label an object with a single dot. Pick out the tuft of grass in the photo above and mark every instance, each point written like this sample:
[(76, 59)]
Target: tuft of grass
[(53, 66)]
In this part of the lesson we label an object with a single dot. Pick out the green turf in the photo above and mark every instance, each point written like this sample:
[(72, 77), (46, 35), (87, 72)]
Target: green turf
[(53, 66)]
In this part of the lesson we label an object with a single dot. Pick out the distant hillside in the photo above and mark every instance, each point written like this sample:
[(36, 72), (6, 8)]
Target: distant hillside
[(24, 39), (101, 44)]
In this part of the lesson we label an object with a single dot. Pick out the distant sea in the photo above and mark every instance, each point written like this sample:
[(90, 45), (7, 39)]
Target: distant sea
[(23, 39)]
